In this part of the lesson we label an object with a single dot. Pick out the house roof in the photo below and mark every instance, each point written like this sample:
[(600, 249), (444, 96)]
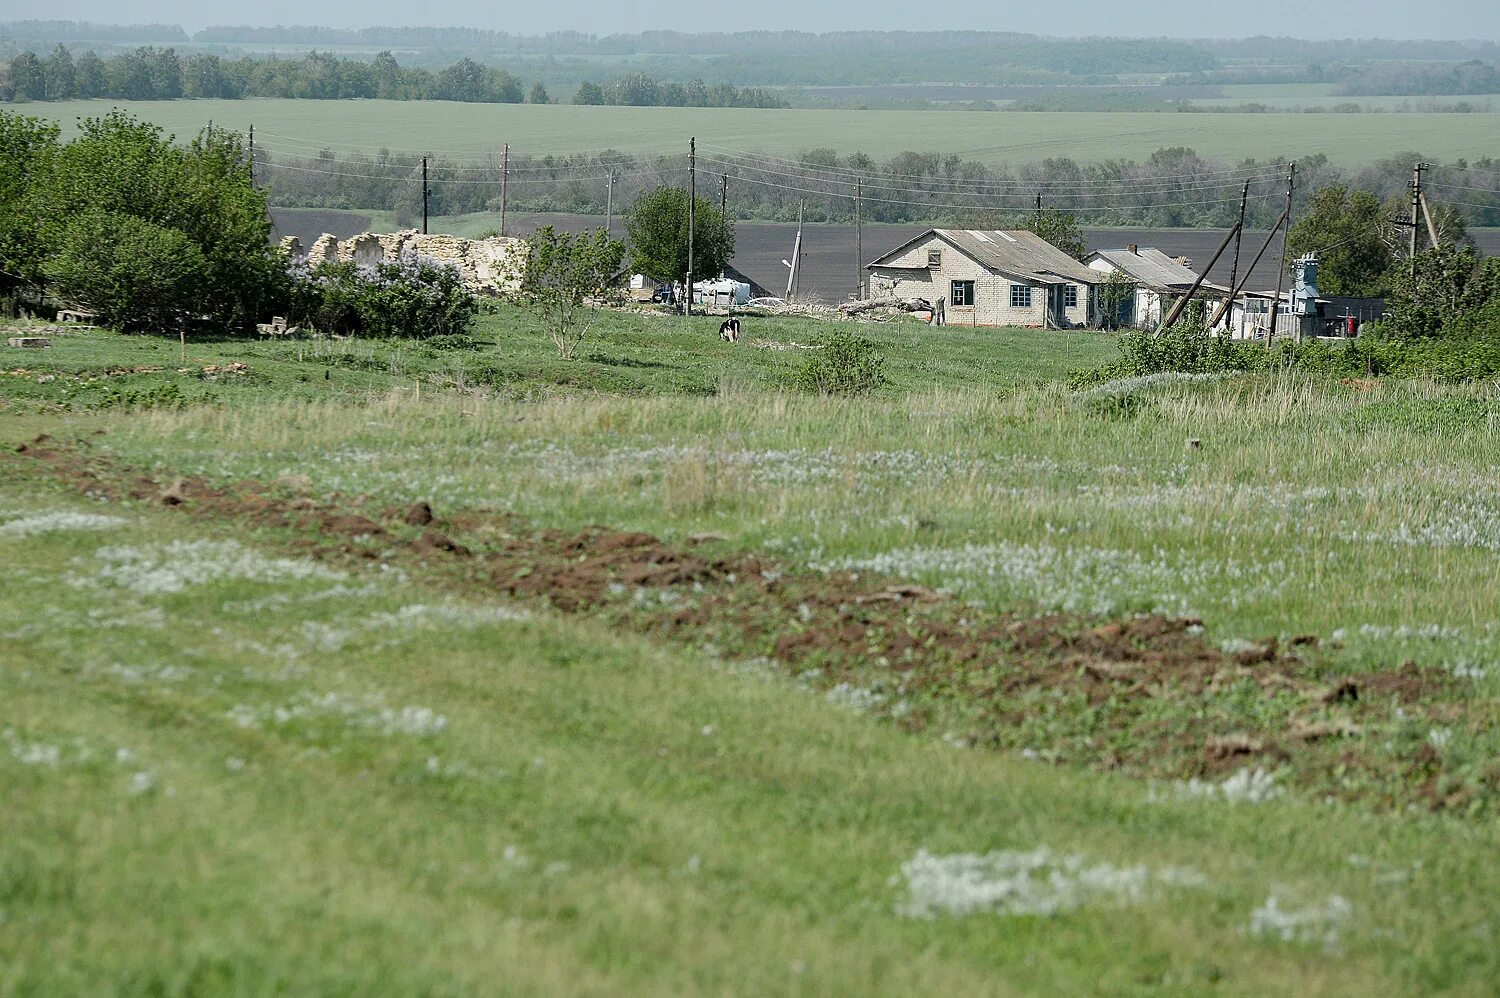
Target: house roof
[(1018, 253), (1153, 268)]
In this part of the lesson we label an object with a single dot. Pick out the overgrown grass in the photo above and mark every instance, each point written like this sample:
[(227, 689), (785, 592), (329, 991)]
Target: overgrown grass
[(457, 797)]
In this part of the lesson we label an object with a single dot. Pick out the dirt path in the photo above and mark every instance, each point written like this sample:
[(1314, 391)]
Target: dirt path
[(1151, 696)]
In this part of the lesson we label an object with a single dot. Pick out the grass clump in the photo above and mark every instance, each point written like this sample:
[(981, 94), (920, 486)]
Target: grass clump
[(847, 365)]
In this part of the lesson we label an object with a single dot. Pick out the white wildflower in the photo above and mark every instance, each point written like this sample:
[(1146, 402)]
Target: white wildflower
[(171, 568), (1318, 922), (63, 520)]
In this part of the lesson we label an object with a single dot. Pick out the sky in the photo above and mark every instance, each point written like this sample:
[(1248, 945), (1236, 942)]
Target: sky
[(1443, 19)]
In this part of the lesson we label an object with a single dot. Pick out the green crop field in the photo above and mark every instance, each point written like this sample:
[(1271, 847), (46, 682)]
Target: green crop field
[(684, 681), (294, 127)]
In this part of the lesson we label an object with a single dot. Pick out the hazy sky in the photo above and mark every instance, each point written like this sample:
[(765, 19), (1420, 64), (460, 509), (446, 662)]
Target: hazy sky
[(1478, 19)]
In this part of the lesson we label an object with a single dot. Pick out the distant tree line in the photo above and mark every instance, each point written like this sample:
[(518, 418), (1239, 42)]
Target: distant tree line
[(151, 73), (911, 187), (1423, 79)]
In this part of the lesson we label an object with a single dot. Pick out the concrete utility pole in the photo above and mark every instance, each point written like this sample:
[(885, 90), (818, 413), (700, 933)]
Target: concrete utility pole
[(692, 221), (1286, 221), (791, 277), (504, 184), (1427, 217), (859, 240), (724, 207), (609, 205), (1416, 211), (252, 155), (424, 195)]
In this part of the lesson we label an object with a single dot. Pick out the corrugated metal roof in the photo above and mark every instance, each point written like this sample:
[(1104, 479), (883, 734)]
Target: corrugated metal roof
[(1153, 268), (1017, 253)]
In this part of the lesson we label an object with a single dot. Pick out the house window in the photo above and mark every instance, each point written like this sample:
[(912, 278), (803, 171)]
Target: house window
[(935, 258), (1020, 296), (962, 292), (1070, 296)]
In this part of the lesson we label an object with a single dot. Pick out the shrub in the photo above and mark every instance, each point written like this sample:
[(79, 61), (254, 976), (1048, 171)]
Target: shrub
[(847, 365), (131, 273), (413, 297)]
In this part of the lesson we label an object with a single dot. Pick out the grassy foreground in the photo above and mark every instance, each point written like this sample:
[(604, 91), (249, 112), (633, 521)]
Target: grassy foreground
[(468, 131), (230, 763)]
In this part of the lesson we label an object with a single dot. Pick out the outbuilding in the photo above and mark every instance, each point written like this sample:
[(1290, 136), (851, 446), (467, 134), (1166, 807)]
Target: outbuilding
[(990, 277), (1158, 279)]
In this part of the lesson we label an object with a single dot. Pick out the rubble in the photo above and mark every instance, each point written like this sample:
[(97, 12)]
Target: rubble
[(484, 265)]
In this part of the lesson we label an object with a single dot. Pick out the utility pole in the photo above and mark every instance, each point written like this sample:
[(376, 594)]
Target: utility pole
[(1234, 268), (692, 220), (1038, 200), (1234, 291), (504, 184), (791, 276), (1286, 221), (252, 155), (424, 195), (1427, 217), (724, 207), (1416, 211), (609, 205), (859, 240)]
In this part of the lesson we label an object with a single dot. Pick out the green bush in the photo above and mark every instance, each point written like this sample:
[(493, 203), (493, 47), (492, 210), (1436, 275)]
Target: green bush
[(131, 273), (847, 365), (412, 298)]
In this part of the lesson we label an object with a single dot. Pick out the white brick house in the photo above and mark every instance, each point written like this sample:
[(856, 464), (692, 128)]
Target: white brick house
[(1159, 281), (990, 278)]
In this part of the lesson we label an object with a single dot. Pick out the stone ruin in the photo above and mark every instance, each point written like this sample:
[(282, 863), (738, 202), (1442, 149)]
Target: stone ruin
[(484, 265)]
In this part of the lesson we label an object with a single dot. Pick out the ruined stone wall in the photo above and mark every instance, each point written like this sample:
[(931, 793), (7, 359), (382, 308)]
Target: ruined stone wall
[(484, 265)]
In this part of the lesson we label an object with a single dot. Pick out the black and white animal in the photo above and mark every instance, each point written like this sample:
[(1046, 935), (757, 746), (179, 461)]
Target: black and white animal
[(729, 330)]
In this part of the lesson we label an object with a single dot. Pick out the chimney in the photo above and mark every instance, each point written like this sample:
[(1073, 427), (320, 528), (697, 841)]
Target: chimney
[(1134, 248)]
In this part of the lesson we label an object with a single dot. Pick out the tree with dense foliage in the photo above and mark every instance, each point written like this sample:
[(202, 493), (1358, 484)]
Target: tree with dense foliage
[(564, 278), (589, 92), (129, 272), (657, 226), (28, 80), (1343, 229), (411, 297), (539, 94), (1060, 228), (27, 148)]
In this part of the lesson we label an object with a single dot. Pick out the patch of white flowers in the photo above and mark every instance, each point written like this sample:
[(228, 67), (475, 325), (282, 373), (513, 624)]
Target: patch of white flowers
[(370, 713), (1317, 922), (1121, 387), (1245, 786), (1038, 882), (854, 698), (56, 522), (163, 569)]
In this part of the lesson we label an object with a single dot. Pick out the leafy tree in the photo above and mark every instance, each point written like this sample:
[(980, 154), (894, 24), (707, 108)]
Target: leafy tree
[(539, 94), (1343, 229), (1060, 228), (88, 76), (412, 297), (1116, 300), (1422, 302), (564, 279), (588, 93), (131, 273), (27, 78), (61, 78), (121, 166), (657, 225), (203, 76), (27, 149)]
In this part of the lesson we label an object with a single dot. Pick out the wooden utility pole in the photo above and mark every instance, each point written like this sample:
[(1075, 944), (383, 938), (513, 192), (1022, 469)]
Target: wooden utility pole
[(859, 240), (1038, 200), (1182, 302), (692, 221), (1234, 267), (1286, 231), (504, 184), (609, 204), (252, 155), (724, 208), (791, 277), (1234, 290), (424, 195), (1427, 217)]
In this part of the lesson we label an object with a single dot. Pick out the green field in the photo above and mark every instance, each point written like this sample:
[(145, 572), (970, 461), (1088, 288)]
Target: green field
[(468, 131), (974, 685)]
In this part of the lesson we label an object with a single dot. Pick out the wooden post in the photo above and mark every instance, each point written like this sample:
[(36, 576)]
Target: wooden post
[(1234, 290), (692, 221), (859, 240), (1182, 302), (424, 195), (1286, 232), (1234, 268), (724, 216), (252, 155), (609, 205), (504, 184)]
